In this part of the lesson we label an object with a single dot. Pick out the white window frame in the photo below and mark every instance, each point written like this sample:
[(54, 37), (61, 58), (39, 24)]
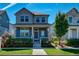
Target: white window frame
[(36, 19), (24, 19), (24, 32), (40, 19), (45, 19), (69, 21)]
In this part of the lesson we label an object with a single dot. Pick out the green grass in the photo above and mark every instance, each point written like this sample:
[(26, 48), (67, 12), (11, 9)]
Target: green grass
[(53, 51), (16, 52), (75, 51)]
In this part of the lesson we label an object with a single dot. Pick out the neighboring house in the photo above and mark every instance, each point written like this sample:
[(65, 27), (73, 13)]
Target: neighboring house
[(73, 21), (4, 22), (31, 25), (12, 29)]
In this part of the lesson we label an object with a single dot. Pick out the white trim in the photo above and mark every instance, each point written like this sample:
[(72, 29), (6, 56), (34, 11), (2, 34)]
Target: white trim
[(77, 33), (33, 34), (69, 33), (0, 42), (24, 19), (69, 21), (24, 32), (40, 19)]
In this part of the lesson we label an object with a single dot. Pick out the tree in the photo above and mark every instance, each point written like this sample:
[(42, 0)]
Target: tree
[(61, 25)]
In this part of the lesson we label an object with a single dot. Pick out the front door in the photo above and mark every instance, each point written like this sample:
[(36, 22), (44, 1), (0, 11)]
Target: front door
[(36, 35), (36, 39)]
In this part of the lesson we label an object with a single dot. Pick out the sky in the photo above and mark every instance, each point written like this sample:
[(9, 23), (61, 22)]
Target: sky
[(48, 8)]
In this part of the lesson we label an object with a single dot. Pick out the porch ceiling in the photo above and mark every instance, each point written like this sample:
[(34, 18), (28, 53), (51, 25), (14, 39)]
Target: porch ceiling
[(33, 25)]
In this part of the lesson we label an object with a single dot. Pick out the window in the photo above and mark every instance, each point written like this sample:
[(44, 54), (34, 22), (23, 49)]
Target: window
[(26, 19), (24, 32), (78, 21), (37, 19), (42, 33), (43, 19), (70, 19), (22, 18)]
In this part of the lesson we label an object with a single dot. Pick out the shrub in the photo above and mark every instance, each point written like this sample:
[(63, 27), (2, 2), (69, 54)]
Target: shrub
[(20, 42), (73, 42), (55, 41), (45, 42)]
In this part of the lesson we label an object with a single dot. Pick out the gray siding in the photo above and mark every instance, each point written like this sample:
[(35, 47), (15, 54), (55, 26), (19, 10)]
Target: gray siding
[(4, 23), (46, 19), (24, 12)]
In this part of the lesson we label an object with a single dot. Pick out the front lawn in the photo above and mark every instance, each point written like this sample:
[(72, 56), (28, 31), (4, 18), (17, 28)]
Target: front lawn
[(16, 52), (53, 51)]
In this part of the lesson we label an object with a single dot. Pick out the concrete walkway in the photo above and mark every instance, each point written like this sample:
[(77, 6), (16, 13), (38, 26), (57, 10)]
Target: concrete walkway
[(39, 52)]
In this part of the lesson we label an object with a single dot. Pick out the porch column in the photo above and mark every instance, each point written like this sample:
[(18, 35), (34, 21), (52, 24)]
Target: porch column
[(77, 33), (69, 33), (32, 33), (48, 34), (0, 42)]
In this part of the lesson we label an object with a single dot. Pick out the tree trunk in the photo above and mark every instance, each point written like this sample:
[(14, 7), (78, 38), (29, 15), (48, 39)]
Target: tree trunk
[(59, 40)]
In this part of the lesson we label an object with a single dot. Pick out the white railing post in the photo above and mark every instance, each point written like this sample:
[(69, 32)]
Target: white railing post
[(32, 34), (0, 42), (77, 33)]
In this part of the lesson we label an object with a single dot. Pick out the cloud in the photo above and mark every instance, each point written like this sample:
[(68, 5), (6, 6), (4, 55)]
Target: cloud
[(8, 6)]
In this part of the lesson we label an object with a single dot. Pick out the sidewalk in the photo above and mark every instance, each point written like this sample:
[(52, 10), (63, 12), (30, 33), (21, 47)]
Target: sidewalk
[(39, 52)]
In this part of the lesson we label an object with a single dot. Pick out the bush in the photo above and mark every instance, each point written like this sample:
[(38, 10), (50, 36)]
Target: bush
[(45, 42), (19, 42), (55, 41), (73, 42)]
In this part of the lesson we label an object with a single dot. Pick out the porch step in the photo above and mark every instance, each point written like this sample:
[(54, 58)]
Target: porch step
[(36, 45)]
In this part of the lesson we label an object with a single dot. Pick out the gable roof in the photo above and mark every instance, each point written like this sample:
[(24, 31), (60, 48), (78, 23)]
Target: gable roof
[(38, 13), (73, 9), (21, 10), (33, 13)]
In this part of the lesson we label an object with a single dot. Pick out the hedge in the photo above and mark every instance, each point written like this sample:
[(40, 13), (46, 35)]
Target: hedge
[(73, 42), (45, 42), (19, 42)]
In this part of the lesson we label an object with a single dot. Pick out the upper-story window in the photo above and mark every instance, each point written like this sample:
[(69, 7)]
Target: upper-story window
[(24, 18), (43, 19), (70, 19), (38, 19)]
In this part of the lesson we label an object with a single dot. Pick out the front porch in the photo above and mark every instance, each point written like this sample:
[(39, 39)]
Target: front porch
[(34, 32), (73, 32)]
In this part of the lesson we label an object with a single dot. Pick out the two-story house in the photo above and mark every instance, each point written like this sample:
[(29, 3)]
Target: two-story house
[(73, 21), (31, 25), (4, 22)]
